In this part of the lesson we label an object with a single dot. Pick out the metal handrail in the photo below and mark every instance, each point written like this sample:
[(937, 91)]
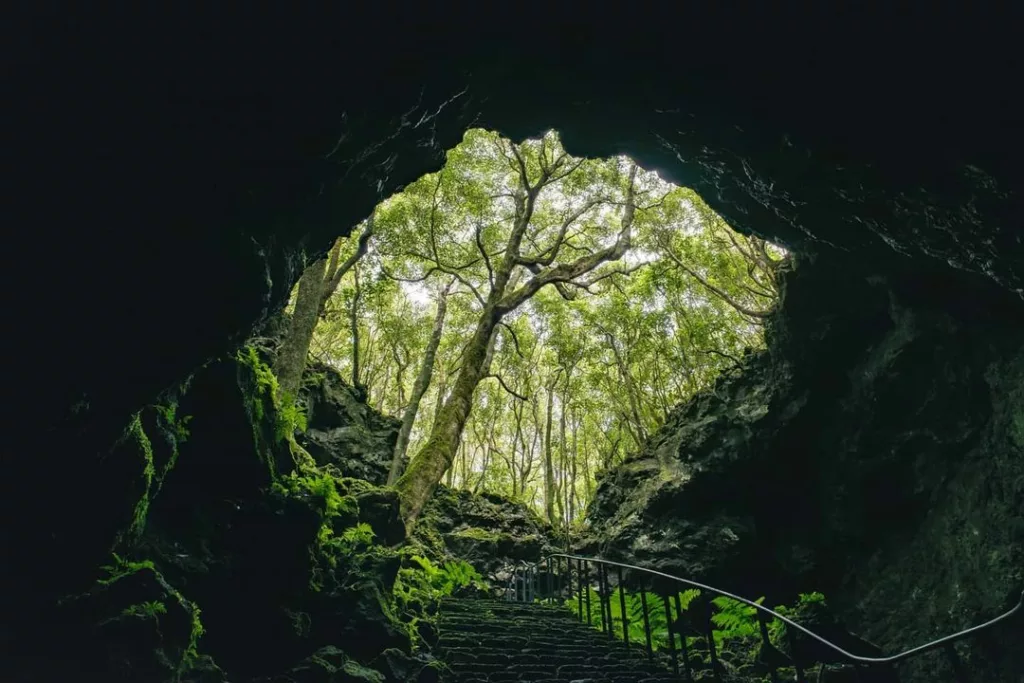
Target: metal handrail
[(859, 659)]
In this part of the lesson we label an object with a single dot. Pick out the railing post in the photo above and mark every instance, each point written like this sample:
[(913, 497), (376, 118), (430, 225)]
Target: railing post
[(586, 590), (608, 601), (579, 586), (710, 631), (682, 640), (551, 583), (959, 674), (622, 608), (671, 638), (800, 676), (647, 625), (600, 596), (762, 619)]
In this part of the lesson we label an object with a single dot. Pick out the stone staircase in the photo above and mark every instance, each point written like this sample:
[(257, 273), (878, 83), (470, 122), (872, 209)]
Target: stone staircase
[(490, 641)]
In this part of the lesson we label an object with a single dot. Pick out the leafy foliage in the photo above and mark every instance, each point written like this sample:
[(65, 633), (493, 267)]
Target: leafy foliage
[(611, 354), (733, 621), (421, 584)]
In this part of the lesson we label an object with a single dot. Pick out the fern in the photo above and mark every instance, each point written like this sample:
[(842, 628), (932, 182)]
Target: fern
[(734, 619)]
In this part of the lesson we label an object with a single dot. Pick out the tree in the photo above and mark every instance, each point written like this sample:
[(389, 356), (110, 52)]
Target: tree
[(420, 387), (534, 168), (618, 347), (316, 285)]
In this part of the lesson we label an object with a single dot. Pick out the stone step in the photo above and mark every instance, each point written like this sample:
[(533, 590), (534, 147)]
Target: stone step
[(487, 641), (556, 622), (516, 643)]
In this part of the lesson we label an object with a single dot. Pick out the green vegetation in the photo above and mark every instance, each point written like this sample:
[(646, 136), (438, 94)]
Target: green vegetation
[(734, 621), (532, 317), (145, 610), (148, 473), (478, 534), (421, 584), (122, 569)]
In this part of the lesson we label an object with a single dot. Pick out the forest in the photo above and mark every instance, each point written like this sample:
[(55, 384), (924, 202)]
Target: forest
[(530, 317)]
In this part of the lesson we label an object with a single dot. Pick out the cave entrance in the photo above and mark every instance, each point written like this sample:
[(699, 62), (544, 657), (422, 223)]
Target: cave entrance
[(570, 304)]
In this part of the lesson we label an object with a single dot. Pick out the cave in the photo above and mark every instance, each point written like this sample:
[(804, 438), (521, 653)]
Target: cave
[(168, 176)]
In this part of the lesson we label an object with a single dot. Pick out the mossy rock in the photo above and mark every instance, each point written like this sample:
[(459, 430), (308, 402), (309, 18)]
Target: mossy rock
[(332, 665), (144, 628)]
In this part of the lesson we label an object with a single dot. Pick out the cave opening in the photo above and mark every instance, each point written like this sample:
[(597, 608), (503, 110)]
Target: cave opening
[(876, 456), (580, 369)]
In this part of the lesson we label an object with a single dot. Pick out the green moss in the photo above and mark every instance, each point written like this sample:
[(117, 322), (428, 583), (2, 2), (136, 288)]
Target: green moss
[(265, 381), (174, 429), (333, 664), (148, 473), (478, 534), (321, 488), (262, 390), (122, 568), (300, 622), (363, 673), (145, 610)]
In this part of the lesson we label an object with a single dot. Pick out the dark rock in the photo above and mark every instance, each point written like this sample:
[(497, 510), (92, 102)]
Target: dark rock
[(874, 456), (332, 665), (405, 668), (343, 430), (217, 541), (489, 531), (379, 508)]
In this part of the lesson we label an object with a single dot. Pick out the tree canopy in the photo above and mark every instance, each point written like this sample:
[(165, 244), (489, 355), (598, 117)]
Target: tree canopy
[(570, 303)]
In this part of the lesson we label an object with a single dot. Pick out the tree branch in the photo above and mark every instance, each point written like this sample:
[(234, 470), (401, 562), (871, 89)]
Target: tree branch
[(361, 246), (548, 256), (506, 387), (760, 315), (568, 271), (523, 177), (515, 339), (483, 252)]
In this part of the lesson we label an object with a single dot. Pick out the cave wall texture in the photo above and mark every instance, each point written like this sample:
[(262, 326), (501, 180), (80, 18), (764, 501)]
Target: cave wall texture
[(170, 168), (874, 452)]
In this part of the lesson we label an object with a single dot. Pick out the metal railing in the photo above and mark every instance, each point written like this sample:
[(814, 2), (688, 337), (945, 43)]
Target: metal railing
[(551, 579)]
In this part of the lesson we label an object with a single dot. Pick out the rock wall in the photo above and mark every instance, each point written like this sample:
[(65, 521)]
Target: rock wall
[(215, 565), (489, 531), (874, 452), (343, 430), (213, 159)]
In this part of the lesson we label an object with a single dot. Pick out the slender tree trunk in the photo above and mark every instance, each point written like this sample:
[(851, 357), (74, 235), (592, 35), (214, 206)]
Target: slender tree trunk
[(442, 389), (549, 467), (564, 453), (354, 321), (631, 392), (316, 285), (418, 390), (575, 460), (291, 357)]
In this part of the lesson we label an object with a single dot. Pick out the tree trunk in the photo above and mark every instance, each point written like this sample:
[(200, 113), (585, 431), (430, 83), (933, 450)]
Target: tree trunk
[(549, 468), (354, 321), (427, 468), (291, 357), (418, 390), (575, 461)]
